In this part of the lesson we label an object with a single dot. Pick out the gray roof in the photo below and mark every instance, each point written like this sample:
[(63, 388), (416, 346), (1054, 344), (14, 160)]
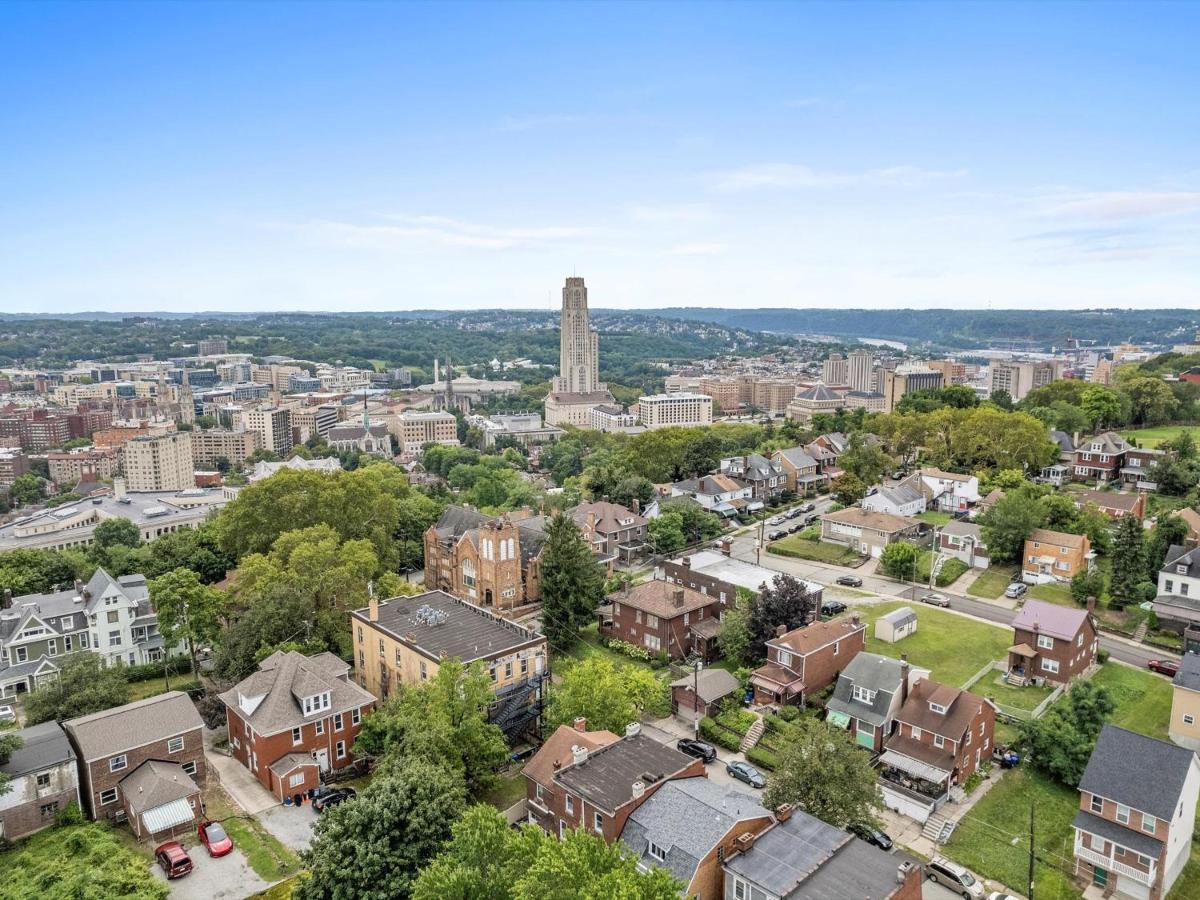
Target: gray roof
[(901, 616), (455, 521), (1188, 675), (902, 493), (1153, 785), (283, 680), (962, 528), (1064, 441), (710, 684), (856, 871), (133, 725), (687, 817), (23, 670), (798, 457), (786, 855), (290, 761), (156, 782), (605, 779), (1110, 442), (819, 393), (1138, 841), (52, 607), (43, 747), (881, 674), (1181, 556), (469, 632)]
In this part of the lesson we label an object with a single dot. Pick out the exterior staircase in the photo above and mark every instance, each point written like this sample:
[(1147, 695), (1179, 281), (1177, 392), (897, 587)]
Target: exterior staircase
[(938, 828), (753, 735), (936, 569), (1015, 679), (1142, 628)]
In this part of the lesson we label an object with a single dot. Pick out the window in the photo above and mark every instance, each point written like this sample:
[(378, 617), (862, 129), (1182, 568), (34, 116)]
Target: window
[(424, 671), (114, 639), (1122, 814), (687, 619), (337, 722), (340, 748), (296, 780), (916, 733), (52, 648), (937, 708), (835, 647), (113, 617), (297, 736), (741, 890), (109, 796), (43, 779), (175, 745), (190, 767), (48, 809), (320, 726), (1189, 719), (508, 669), (862, 695), (492, 672), (68, 622), (381, 648), (598, 822), (652, 642), (362, 660), (1045, 642), (1079, 641), (785, 659), (316, 703), (1149, 823), (524, 665), (21, 654), (355, 717), (637, 616), (468, 572), (1168, 586), (1097, 804), (1144, 861), (117, 763), (1050, 665), (1183, 589), (360, 634), (569, 804), (657, 852), (651, 621), (939, 741), (538, 791)]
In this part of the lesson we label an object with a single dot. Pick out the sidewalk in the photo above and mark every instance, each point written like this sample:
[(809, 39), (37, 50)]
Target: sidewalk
[(242, 787)]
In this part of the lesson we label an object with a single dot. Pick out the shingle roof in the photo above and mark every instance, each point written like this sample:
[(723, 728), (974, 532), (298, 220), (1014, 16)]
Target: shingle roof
[(961, 528), (1108, 500), (43, 746), (1110, 442), (606, 777), (1137, 841), (133, 725), (290, 761), (799, 458), (1179, 556), (557, 749), (961, 708), (865, 518), (659, 598), (156, 782), (710, 684), (803, 641), (609, 516), (1153, 785), (873, 672), (1057, 621), (856, 870), (1056, 538), (1188, 675)]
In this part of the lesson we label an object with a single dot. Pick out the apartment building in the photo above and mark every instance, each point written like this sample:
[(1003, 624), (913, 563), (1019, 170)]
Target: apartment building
[(1017, 379), (413, 430), (860, 371), (85, 464), (724, 392), (671, 410), (13, 464), (235, 447), (160, 463), (835, 370), (906, 379), (274, 425), (277, 376)]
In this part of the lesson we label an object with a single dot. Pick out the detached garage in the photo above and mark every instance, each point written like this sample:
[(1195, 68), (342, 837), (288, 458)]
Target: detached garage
[(701, 692)]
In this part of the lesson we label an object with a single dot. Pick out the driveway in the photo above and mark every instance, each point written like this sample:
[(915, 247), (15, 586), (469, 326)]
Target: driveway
[(292, 825), (671, 729), (227, 878)]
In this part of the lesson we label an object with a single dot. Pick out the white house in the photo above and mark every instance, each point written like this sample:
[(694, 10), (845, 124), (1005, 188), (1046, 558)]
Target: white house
[(722, 494), (949, 491), (1177, 604), (904, 499)]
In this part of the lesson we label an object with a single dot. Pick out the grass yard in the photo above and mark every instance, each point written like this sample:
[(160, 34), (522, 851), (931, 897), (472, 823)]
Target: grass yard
[(1152, 437), (952, 569), (509, 789), (1143, 699), (933, 517), (588, 646), (953, 647), (991, 582), (1017, 698), (796, 546), (140, 690), (1056, 593)]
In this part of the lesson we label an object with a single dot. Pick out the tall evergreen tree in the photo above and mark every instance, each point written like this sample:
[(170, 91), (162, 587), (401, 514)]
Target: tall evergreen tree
[(572, 582), (1128, 561), (787, 602)]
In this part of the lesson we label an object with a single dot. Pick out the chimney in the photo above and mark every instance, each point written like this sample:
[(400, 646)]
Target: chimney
[(626, 587), (780, 630), (639, 789), (580, 724), (1091, 605), (677, 597), (78, 586), (591, 523), (855, 619), (637, 506), (7, 602), (373, 608), (687, 562), (633, 729), (578, 754), (904, 668), (783, 812), (744, 842)]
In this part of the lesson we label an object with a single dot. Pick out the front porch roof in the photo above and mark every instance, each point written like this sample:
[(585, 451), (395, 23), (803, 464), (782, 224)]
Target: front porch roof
[(1023, 650), (774, 677), (913, 767)]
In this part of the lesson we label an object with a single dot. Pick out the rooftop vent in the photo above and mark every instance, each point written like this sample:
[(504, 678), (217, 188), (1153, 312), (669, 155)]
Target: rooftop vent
[(427, 615)]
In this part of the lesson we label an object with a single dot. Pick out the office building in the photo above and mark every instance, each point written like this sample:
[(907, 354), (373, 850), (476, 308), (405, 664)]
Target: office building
[(860, 370), (161, 463), (905, 380), (668, 410), (1017, 379), (835, 370), (413, 430), (212, 347), (577, 387), (274, 425), (210, 447)]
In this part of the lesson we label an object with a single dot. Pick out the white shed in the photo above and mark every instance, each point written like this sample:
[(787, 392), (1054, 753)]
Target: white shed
[(896, 625)]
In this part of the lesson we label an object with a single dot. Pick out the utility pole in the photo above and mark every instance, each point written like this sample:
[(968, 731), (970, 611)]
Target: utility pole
[(762, 526), (696, 701), (1031, 851)]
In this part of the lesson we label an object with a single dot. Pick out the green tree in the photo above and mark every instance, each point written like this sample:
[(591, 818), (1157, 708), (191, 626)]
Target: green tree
[(1002, 399), (1061, 741), (734, 639), (1087, 584), (786, 601), (865, 459), (848, 489), (1008, 523), (1060, 513), (1097, 526), (1101, 405), (666, 533), (36, 571), (1128, 561), (84, 685), (117, 532), (79, 862), (572, 582), (27, 488), (821, 772), (1168, 531), (188, 610), (608, 697), (1174, 477), (1152, 402), (899, 560), (373, 847)]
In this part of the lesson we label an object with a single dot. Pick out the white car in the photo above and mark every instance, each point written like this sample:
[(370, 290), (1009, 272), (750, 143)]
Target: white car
[(955, 877), (7, 714)]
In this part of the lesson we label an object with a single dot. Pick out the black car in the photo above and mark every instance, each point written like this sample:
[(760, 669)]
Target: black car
[(871, 836), (747, 773), (776, 535), (792, 529), (849, 581), (833, 608), (333, 798), (698, 749)]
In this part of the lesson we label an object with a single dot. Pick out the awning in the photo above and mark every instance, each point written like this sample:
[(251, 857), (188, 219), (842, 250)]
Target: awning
[(840, 719), (169, 815), (913, 767), (1023, 650)]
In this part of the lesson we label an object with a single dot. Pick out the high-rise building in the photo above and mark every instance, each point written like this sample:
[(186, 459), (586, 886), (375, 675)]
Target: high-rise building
[(212, 347), (160, 463), (905, 380), (1019, 378), (859, 370), (577, 387), (275, 426), (235, 447), (681, 409), (835, 370)]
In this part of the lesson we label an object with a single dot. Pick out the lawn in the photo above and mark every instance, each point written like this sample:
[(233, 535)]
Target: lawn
[(952, 569), (140, 690), (1152, 437), (933, 517), (797, 546), (953, 647), (1017, 698), (509, 789), (588, 646), (991, 582), (1054, 592), (1143, 699)]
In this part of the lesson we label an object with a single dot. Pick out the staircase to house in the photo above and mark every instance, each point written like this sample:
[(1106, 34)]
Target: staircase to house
[(938, 828), (1142, 628), (1015, 679), (753, 735), (936, 569)]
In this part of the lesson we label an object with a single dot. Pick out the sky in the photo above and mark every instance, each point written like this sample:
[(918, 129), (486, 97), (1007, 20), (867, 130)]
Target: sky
[(378, 156)]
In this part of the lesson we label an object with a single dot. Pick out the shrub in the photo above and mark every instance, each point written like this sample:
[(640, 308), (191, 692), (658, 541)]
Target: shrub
[(763, 758), (719, 735), (70, 814), (789, 714), (951, 571), (1102, 656), (176, 665), (735, 719), (633, 651)]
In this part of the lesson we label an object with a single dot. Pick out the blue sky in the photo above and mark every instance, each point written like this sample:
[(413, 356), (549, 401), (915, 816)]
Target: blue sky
[(453, 155)]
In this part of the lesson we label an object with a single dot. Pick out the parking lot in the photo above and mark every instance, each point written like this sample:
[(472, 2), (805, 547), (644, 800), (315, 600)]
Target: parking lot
[(229, 877), (292, 825)]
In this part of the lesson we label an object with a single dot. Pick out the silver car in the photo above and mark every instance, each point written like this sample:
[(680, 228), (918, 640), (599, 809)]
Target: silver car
[(955, 877), (936, 600), (7, 714)]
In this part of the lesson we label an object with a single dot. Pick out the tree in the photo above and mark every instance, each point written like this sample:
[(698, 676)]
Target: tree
[(1173, 476), (666, 533), (487, 860), (1128, 561), (821, 771), (1060, 513), (373, 847), (1101, 406), (787, 602), (1151, 401), (1097, 526), (848, 489), (36, 571), (1087, 584), (1061, 741), (608, 697), (187, 609), (27, 488), (572, 582), (117, 532), (734, 639), (1008, 523), (899, 559), (1169, 530), (1002, 399), (864, 458), (9, 744), (443, 721), (84, 685)]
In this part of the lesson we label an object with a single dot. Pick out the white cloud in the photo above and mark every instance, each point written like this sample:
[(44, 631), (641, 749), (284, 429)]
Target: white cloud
[(687, 213), (789, 176), (434, 230), (698, 248), (1113, 205)]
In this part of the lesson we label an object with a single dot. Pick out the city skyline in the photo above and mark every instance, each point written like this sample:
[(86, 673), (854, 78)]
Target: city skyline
[(393, 157)]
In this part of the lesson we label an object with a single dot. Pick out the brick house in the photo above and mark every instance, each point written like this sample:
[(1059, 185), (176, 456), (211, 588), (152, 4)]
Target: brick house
[(294, 719), (765, 476), (611, 529), (1113, 504), (1100, 458), (598, 789), (42, 780), (719, 575), (114, 748), (493, 561), (802, 472), (1135, 473), (869, 694), (866, 532), (662, 617), (942, 735), (544, 800), (807, 660), (1137, 810), (1053, 642), (1055, 556)]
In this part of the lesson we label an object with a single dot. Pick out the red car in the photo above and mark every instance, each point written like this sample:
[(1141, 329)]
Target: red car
[(214, 838), (1163, 667), (174, 859)]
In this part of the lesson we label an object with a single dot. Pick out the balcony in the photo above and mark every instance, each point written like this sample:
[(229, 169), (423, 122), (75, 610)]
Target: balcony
[(1111, 865)]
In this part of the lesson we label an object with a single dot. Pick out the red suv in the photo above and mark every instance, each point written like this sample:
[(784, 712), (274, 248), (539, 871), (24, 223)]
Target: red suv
[(174, 859)]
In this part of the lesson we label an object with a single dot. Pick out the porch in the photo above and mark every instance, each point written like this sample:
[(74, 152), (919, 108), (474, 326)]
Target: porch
[(775, 685), (1022, 663)]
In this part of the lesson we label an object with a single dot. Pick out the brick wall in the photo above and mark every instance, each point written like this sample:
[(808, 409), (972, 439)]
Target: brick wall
[(267, 749), (99, 778)]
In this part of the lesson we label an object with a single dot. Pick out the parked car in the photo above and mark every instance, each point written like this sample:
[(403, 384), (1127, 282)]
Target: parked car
[(849, 581), (807, 507), (333, 798), (833, 608), (793, 529), (873, 490), (699, 749), (776, 520), (1163, 667), (792, 513), (811, 518), (872, 836), (7, 714), (1000, 895), (954, 877), (898, 474), (747, 773), (936, 600), (776, 535), (173, 859), (1015, 590), (214, 838)]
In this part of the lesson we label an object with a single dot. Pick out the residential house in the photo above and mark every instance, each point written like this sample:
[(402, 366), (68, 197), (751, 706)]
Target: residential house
[(545, 801), (699, 693), (1191, 518), (802, 473), (599, 789), (494, 561), (1066, 446), (866, 531), (1055, 556), (896, 625), (612, 530), (1137, 810), (402, 641), (950, 491), (870, 692), (991, 499), (42, 780), (807, 660), (802, 858), (295, 719), (963, 541), (766, 477), (1100, 458), (142, 763), (942, 735), (718, 575), (1177, 604), (1139, 461), (689, 826), (721, 494), (902, 499), (1113, 504), (1051, 642), (663, 617), (1185, 703)]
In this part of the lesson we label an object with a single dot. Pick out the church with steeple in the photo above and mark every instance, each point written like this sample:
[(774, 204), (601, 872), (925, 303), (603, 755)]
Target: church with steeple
[(373, 440)]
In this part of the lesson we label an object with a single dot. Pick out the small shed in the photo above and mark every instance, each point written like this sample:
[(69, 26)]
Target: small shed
[(896, 625), (701, 692)]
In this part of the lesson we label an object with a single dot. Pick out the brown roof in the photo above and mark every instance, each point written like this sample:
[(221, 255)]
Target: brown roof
[(803, 641), (658, 598), (1108, 500), (880, 521), (609, 516), (1056, 538), (156, 782), (961, 708), (777, 674), (133, 725), (1191, 517), (940, 759), (557, 749), (605, 779)]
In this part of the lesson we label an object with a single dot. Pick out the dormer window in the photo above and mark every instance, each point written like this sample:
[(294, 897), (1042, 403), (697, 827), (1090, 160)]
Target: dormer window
[(862, 695), (1181, 569), (937, 708), (1096, 448), (316, 703)]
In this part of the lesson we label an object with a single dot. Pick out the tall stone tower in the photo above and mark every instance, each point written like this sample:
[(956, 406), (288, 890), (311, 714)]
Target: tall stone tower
[(579, 346)]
